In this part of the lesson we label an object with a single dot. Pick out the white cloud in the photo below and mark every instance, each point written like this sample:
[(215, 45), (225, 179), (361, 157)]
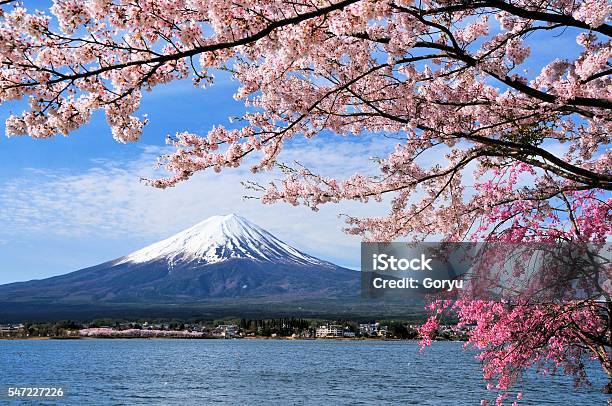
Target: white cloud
[(108, 201)]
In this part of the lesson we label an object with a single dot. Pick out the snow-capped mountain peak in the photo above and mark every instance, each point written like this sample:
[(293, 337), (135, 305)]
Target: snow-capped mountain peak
[(220, 238)]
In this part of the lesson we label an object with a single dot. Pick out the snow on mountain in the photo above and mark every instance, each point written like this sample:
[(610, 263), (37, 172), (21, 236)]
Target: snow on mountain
[(218, 239)]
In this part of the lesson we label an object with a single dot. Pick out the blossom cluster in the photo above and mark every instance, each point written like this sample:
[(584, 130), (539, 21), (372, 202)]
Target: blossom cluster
[(107, 332)]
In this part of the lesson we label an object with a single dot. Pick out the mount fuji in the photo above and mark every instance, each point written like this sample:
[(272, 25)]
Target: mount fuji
[(218, 239), (223, 257)]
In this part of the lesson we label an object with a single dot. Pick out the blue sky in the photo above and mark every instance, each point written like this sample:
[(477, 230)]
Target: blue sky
[(71, 202)]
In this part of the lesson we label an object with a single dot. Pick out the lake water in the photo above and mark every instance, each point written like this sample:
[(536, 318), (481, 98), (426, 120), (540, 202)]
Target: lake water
[(144, 372)]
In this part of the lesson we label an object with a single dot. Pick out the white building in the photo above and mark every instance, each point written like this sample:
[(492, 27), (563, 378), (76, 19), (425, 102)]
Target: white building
[(372, 329), (226, 330), (10, 329), (368, 329), (349, 334), (329, 331)]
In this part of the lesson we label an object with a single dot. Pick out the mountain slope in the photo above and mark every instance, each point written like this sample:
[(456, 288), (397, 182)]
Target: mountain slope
[(219, 258), (219, 238)]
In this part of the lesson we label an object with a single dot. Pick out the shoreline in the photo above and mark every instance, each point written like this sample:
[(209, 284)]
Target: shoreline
[(217, 338)]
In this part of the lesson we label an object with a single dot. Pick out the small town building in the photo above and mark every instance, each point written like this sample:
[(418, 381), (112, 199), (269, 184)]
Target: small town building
[(329, 331), (372, 330), (226, 331)]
